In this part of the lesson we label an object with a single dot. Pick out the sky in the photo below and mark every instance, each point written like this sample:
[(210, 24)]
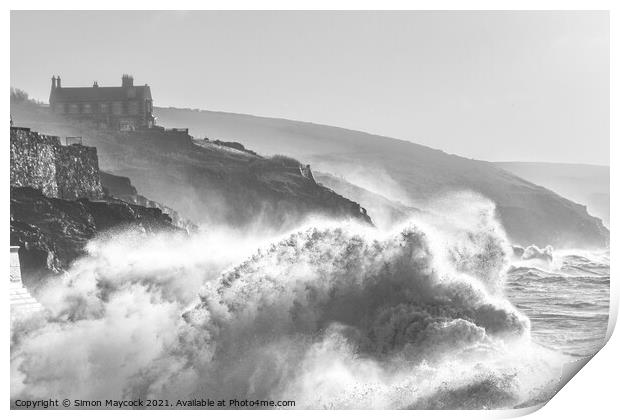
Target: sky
[(498, 86)]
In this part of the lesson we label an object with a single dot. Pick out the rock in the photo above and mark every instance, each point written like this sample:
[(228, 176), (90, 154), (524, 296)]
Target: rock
[(52, 232), (120, 187)]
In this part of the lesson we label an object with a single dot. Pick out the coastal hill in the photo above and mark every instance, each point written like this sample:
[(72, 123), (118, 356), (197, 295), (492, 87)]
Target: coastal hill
[(583, 184), (406, 172), (207, 182)]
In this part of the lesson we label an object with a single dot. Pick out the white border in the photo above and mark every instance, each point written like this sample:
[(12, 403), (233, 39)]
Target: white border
[(594, 391)]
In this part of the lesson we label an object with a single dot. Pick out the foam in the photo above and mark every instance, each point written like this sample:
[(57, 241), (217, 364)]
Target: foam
[(333, 315)]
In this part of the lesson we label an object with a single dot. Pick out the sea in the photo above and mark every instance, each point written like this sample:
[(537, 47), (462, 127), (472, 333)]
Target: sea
[(438, 314), (566, 299)]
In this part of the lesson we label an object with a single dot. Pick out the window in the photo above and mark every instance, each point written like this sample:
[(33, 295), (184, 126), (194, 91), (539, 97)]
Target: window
[(133, 108), (117, 108), (87, 109), (104, 108), (74, 109)]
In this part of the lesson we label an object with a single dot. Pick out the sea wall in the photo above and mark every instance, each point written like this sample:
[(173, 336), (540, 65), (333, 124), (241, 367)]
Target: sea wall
[(41, 162)]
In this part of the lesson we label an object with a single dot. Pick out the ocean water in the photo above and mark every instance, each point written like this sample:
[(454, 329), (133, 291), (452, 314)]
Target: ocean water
[(433, 314), (566, 299)]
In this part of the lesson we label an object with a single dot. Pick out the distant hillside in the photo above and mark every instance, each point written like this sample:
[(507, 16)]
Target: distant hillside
[(404, 171), (583, 184), (207, 182)]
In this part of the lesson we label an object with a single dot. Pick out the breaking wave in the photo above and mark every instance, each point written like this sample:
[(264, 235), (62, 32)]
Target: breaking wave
[(331, 316)]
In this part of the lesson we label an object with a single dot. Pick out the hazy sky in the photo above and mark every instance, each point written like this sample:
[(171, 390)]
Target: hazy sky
[(530, 86)]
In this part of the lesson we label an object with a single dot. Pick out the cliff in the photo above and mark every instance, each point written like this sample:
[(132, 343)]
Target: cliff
[(59, 203), (39, 161), (120, 188), (213, 182), (206, 181), (385, 212)]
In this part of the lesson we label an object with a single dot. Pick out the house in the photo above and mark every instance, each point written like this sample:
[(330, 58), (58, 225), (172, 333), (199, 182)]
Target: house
[(125, 108)]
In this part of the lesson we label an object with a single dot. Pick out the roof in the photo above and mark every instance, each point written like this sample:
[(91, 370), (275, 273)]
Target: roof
[(96, 94)]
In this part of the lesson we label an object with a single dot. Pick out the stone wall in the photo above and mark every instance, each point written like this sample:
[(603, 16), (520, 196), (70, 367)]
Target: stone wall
[(41, 162)]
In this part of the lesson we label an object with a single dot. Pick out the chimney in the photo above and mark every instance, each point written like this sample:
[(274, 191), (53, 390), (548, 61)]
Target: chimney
[(53, 82), (95, 84), (127, 81), (58, 82)]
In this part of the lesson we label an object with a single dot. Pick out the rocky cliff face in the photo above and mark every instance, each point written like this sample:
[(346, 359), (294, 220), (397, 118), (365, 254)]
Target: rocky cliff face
[(39, 161), (385, 212), (120, 187), (58, 203), (52, 232), (212, 180), (215, 182)]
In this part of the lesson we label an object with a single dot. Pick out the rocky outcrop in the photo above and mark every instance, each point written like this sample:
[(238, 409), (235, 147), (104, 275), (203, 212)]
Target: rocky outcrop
[(59, 203), (233, 145), (41, 162), (70, 172), (52, 232), (117, 185), (120, 187), (385, 212)]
